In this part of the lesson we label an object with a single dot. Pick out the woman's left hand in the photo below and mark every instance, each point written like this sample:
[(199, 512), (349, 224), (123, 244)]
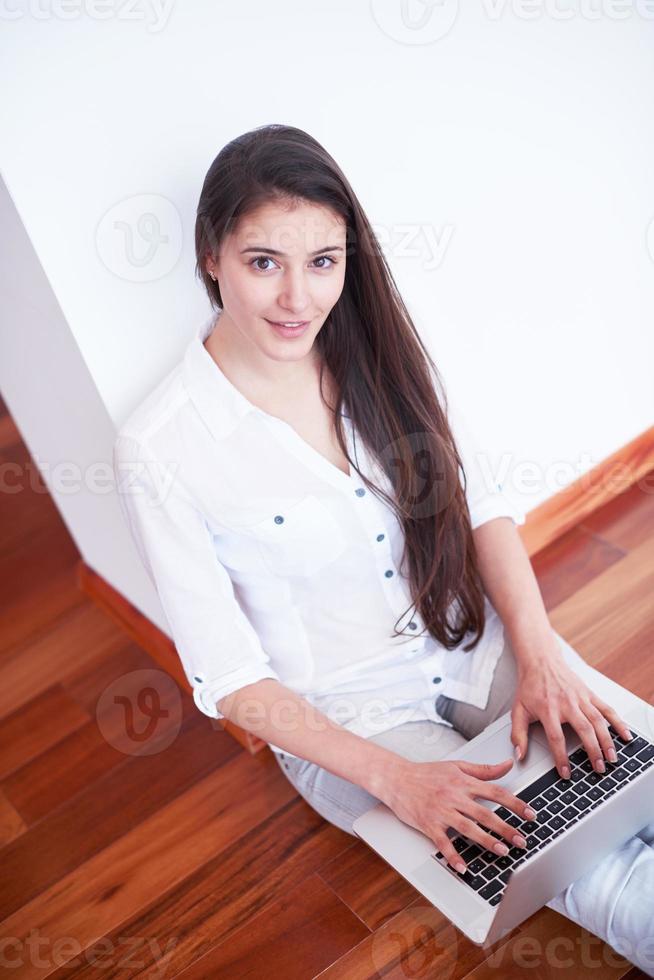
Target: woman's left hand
[(550, 692)]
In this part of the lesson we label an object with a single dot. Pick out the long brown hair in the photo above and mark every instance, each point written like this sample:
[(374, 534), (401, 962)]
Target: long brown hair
[(385, 376)]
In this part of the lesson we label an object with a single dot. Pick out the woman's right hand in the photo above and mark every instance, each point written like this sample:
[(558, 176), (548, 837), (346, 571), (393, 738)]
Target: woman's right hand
[(433, 796)]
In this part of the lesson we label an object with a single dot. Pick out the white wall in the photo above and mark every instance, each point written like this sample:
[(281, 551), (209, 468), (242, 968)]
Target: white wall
[(508, 153)]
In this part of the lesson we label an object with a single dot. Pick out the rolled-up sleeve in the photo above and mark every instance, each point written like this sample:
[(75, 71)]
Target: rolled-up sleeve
[(219, 648), (486, 499)]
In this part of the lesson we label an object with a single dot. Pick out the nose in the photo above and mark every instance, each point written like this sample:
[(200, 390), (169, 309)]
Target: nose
[(294, 297)]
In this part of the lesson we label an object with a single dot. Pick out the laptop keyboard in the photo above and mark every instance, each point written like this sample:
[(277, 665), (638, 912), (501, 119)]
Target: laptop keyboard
[(559, 803)]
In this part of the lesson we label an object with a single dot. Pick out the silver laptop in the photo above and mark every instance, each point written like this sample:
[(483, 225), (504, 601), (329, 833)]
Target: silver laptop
[(579, 821)]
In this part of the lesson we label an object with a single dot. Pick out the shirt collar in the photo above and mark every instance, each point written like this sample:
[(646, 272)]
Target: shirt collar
[(220, 404)]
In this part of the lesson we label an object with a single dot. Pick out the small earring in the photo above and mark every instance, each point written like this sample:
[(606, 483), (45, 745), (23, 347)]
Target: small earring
[(212, 276)]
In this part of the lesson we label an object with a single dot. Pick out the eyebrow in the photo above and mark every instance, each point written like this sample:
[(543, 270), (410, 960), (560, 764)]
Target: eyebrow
[(274, 251)]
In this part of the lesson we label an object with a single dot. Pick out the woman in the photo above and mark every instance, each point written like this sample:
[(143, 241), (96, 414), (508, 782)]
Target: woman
[(318, 503)]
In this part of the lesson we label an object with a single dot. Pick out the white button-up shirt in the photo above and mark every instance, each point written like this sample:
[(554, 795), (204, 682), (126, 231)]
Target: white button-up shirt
[(270, 562)]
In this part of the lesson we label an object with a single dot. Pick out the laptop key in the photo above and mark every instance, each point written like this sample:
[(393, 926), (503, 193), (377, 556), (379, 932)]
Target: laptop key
[(633, 765), (582, 803), (569, 812), (471, 853), (634, 746), (577, 774), (555, 807), (593, 777), (550, 794), (568, 797), (579, 755), (528, 827), (548, 778), (474, 867), (502, 812), (495, 899), (475, 881), (556, 822), (490, 888), (532, 841), (537, 803), (490, 872), (506, 875), (513, 820), (595, 793), (544, 832), (646, 754)]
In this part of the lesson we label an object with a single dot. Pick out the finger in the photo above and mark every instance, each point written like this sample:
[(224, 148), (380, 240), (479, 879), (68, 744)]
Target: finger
[(552, 725), (614, 718), (598, 735), (476, 833), (586, 731), (520, 730), (501, 795), (601, 726), (449, 852), (484, 770), (491, 820)]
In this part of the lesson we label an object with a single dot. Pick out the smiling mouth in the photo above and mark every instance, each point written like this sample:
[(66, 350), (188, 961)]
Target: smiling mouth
[(289, 323)]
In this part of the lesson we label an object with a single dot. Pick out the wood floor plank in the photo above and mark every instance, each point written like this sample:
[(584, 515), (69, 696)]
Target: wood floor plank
[(151, 857), (98, 815), (26, 733), (368, 885), (583, 556), (12, 824), (218, 898), (627, 518), (612, 609), (79, 638), (295, 938)]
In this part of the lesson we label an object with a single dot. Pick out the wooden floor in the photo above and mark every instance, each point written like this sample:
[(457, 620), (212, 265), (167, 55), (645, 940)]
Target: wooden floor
[(174, 852)]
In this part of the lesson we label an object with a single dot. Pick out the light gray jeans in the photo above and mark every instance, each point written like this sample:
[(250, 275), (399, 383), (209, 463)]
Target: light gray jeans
[(614, 900)]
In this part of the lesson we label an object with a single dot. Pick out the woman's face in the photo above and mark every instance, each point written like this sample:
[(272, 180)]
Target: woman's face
[(284, 266)]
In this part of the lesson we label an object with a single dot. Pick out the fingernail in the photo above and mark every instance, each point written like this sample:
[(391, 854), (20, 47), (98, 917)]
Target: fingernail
[(599, 765), (460, 867), (613, 755), (519, 841), (565, 771), (530, 814), (500, 848), (518, 752)]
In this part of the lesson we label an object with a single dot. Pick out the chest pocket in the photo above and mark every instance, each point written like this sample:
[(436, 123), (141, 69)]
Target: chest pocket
[(299, 538)]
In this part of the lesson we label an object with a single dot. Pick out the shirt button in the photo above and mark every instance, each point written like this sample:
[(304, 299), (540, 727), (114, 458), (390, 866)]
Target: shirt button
[(360, 492), (437, 680), (388, 573), (380, 537), (279, 519)]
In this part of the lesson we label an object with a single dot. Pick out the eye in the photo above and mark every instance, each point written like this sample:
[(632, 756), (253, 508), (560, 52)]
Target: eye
[(266, 258)]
